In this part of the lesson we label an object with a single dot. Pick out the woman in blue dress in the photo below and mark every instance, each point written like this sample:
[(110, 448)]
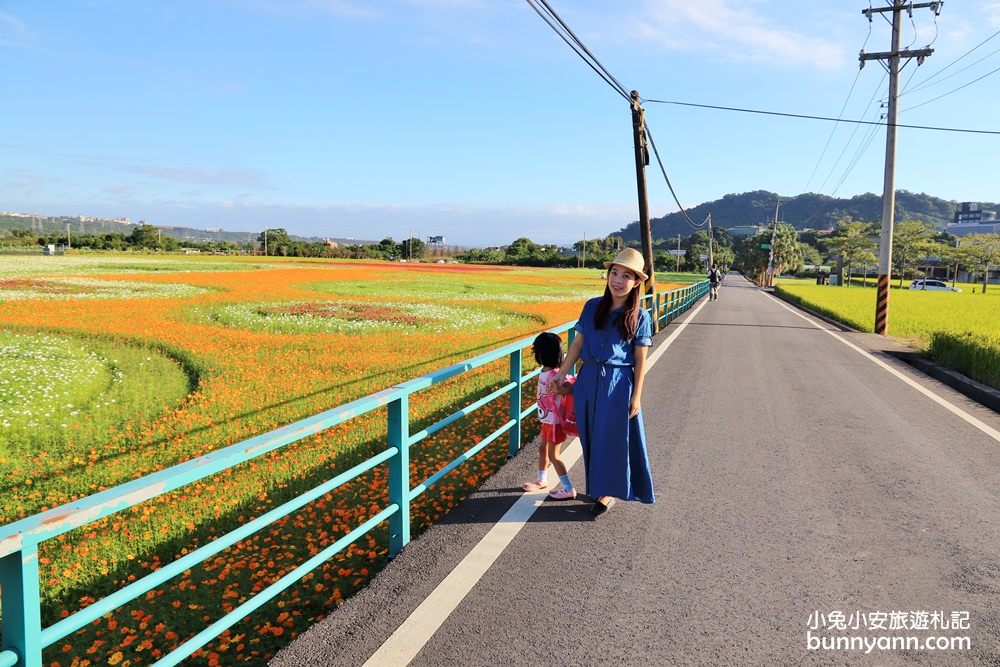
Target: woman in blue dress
[(613, 335)]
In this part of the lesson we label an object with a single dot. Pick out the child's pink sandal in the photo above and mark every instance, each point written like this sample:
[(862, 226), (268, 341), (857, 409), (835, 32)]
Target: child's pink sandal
[(562, 494), (535, 486)]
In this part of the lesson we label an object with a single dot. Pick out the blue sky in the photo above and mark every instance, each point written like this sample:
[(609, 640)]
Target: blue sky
[(472, 119)]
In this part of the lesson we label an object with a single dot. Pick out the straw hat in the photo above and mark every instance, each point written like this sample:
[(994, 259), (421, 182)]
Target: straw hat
[(632, 260)]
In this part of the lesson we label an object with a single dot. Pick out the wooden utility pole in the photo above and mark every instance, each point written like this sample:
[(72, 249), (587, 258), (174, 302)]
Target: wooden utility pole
[(641, 160), (889, 184)]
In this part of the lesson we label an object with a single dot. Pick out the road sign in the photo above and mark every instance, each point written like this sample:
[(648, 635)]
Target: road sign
[(765, 246)]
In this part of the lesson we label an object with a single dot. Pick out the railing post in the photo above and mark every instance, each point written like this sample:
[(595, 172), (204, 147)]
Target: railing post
[(399, 473), (515, 402), (20, 599)]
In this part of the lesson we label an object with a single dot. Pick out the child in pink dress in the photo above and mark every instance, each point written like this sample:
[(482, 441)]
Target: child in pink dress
[(547, 349)]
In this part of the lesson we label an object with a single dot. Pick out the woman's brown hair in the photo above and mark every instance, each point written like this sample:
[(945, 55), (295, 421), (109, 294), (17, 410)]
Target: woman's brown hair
[(628, 321)]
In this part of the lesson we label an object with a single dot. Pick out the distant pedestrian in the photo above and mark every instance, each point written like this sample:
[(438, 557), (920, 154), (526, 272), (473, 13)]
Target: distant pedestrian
[(612, 337), (714, 280), (547, 349)]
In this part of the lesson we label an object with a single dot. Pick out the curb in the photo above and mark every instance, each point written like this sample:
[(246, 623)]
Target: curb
[(977, 391)]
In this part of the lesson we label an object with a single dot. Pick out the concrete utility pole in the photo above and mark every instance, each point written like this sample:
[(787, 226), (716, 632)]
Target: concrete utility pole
[(641, 160), (889, 184), (770, 251)]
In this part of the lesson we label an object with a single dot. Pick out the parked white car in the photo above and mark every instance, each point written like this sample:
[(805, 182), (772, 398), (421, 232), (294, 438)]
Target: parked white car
[(935, 285)]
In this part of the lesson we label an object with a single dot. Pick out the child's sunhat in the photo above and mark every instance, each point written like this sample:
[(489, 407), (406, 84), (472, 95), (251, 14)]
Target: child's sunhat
[(632, 260)]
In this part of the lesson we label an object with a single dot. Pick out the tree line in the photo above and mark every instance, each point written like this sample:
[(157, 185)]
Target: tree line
[(917, 247)]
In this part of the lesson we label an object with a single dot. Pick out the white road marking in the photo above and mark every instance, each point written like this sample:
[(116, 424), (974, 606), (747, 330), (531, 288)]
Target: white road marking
[(420, 626), (411, 636), (950, 407)]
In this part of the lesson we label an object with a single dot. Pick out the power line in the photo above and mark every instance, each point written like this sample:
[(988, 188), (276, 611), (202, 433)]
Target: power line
[(559, 26), (953, 91), (829, 138), (663, 170), (866, 141), (928, 80), (826, 118), (870, 132)]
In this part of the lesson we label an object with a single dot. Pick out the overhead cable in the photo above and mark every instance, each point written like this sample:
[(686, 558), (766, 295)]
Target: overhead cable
[(928, 81), (950, 92), (559, 26), (829, 138), (649, 136), (556, 23), (870, 130), (807, 117)]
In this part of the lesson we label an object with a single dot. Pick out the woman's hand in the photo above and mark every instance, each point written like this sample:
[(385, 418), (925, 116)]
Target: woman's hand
[(633, 406)]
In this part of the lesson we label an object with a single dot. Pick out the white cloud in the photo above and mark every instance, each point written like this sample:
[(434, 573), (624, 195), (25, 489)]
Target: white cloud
[(739, 30), (339, 8), (14, 32), (240, 177)]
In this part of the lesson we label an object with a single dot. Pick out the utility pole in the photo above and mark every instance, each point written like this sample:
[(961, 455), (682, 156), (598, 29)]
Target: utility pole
[(711, 237), (770, 251), (69, 243), (889, 184), (677, 265), (641, 160)]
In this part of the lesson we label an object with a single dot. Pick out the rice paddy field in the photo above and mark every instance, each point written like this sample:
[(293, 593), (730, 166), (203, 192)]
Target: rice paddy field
[(115, 367), (958, 329)]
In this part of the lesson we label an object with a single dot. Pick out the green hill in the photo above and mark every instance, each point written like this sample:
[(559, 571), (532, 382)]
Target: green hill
[(81, 226), (806, 211)]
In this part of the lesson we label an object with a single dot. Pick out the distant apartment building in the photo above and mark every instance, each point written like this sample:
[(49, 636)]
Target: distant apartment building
[(972, 218)]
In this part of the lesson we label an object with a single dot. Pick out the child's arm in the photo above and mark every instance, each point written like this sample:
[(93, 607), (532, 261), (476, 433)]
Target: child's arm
[(572, 356), (640, 376)]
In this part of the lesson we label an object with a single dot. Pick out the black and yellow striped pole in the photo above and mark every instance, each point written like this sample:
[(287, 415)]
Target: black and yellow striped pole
[(882, 305)]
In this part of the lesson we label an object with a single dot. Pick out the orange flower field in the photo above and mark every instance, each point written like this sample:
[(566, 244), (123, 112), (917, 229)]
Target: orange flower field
[(257, 345)]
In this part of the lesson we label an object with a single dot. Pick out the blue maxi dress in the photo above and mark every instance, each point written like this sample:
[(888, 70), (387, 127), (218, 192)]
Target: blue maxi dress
[(615, 458)]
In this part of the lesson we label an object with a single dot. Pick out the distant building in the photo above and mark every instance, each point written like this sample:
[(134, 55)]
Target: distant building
[(744, 230), (971, 218)]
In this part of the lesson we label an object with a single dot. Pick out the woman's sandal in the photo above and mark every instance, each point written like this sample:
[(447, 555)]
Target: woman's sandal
[(600, 508)]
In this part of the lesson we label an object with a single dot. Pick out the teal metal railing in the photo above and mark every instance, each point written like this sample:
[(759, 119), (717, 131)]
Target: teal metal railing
[(666, 306), (24, 638)]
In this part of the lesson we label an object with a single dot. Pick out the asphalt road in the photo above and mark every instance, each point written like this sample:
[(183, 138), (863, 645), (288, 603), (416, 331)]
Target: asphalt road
[(801, 474)]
